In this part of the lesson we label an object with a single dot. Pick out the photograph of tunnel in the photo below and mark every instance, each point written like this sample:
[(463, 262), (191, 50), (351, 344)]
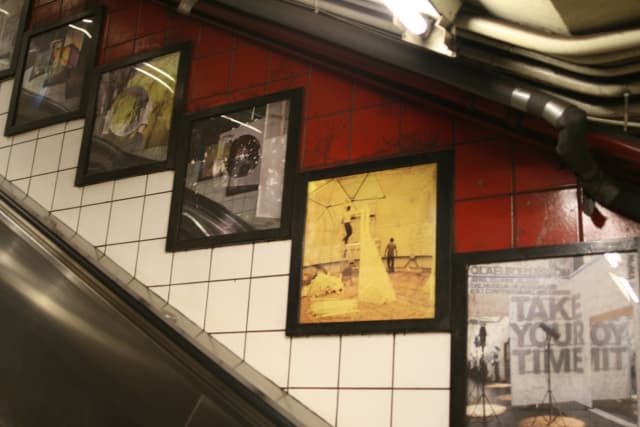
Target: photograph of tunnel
[(553, 342), (369, 247), (237, 178)]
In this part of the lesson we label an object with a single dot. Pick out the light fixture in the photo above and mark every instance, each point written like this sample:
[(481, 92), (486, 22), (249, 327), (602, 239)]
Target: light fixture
[(407, 13), (426, 23)]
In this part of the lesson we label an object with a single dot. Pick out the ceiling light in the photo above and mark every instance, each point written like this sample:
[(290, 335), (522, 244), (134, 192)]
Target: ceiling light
[(406, 11), (614, 259)]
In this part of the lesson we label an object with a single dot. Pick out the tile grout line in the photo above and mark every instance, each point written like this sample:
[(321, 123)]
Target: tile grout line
[(246, 325), (206, 298), (393, 371), (335, 420), (144, 203)]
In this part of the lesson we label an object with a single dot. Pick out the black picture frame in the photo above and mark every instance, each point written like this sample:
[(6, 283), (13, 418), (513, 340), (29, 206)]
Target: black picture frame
[(466, 374), (343, 259), (248, 200), (143, 94), (13, 45), (57, 59)]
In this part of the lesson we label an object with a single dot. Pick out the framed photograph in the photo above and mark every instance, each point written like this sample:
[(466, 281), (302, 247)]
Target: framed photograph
[(547, 336), (13, 17), (234, 177), (55, 66), (372, 248), (133, 116)]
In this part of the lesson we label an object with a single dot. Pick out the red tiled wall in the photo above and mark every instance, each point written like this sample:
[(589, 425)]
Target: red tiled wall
[(508, 192)]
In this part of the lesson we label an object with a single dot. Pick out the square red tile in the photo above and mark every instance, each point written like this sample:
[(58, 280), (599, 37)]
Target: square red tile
[(45, 14), (213, 40), (375, 132), (326, 140), (547, 218), (113, 5), (209, 76), (615, 226), (122, 26), (286, 67), (483, 169), (150, 42), (483, 225), (425, 129), (472, 131), (250, 67), (119, 52), (366, 96), (187, 30), (538, 167), (294, 83), (153, 18), (71, 7), (328, 93)]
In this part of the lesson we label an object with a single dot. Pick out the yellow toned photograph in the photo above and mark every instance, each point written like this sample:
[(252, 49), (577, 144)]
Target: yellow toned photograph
[(369, 247)]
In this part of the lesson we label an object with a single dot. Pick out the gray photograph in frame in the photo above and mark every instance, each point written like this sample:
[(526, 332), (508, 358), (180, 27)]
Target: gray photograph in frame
[(53, 73), (13, 16), (235, 173)]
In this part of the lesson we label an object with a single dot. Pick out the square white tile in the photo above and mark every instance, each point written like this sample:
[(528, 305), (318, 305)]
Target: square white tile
[(5, 141), (25, 136), (268, 352), (4, 160), (97, 193), (271, 258), (124, 224), (74, 124), (314, 362), (422, 360), (321, 401), (190, 300), (51, 130), (71, 142), (22, 184), (69, 217), (366, 361), (154, 263), (358, 408), (125, 255), (5, 95), (160, 182), (233, 341), (21, 160), (161, 291), (67, 195), (227, 306), (41, 189), (411, 408), (93, 223), (130, 187), (47, 154), (155, 218), (231, 262), (191, 266), (268, 303)]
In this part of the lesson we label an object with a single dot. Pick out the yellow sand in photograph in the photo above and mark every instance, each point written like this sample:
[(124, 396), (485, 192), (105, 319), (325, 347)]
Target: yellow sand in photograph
[(369, 247)]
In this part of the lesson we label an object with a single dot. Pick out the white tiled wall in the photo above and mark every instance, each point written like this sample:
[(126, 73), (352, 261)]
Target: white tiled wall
[(238, 294)]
